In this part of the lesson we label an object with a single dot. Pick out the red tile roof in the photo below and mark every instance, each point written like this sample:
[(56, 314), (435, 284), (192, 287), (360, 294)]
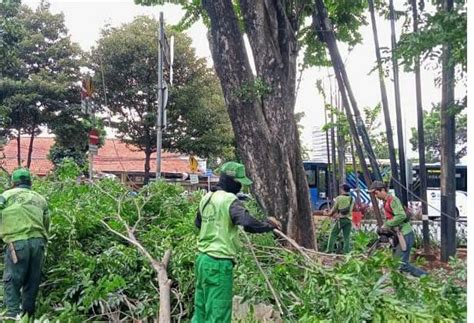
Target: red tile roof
[(114, 156)]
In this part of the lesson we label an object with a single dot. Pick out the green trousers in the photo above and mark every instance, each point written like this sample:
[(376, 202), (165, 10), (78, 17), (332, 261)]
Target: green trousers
[(344, 224), (213, 295), (21, 280)]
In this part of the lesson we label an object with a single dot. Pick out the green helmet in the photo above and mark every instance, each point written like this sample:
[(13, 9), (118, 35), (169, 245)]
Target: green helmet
[(21, 174), (236, 171)]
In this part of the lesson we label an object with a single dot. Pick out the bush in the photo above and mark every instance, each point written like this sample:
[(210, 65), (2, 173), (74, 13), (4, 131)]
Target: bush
[(92, 274)]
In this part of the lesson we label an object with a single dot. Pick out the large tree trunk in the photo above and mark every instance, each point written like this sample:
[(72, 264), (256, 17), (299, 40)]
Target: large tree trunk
[(396, 82), (421, 138), (386, 110), (146, 178), (18, 147), (30, 147), (448, 161), (262, 108), (324, 30)]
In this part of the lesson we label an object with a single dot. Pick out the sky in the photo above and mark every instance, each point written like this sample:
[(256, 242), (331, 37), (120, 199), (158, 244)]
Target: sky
[(85, 19)]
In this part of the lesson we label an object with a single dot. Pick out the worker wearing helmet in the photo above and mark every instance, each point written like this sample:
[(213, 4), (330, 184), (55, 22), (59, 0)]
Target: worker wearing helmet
[(24, 230), (219, 215), (398, 222)]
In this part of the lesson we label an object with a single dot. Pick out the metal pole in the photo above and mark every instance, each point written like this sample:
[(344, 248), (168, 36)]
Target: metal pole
[(159, 114)]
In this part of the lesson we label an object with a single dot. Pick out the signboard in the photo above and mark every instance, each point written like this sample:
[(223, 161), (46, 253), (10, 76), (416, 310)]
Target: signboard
[(93, 149), (93, 137), (194, 178), (193, 164)]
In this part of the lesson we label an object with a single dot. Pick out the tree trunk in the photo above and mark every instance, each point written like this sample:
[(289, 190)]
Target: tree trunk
[(262, 108), (396, 82), (341, 152), (421, 138), (146, 178), (448, 145), (30, 148), (324, 29), (331, 163), (333, 142), (18, 147), (386, 110)]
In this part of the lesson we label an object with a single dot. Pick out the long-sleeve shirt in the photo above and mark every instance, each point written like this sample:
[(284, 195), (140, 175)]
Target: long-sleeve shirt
[(241, 216), (399, 217)]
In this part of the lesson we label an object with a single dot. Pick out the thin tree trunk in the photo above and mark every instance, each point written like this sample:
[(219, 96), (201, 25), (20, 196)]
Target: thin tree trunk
[(341, 151), (263, 123), (386, 110), (331, 166), (396, 82), (323, 26), (356, 174), (146, 178), (448, 158), (421, 138), (30, 148), (333, 141), (18, 147)]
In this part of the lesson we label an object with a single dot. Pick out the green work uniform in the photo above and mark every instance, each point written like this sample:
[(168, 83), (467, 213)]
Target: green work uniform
[(24, 229), (344, 223), (218, 245)]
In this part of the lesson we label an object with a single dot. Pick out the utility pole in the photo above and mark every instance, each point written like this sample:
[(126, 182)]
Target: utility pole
[(396, 81), (165, 55), (159, 114)]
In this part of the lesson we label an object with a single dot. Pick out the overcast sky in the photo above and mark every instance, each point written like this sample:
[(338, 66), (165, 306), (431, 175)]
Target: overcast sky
[(86, 18)]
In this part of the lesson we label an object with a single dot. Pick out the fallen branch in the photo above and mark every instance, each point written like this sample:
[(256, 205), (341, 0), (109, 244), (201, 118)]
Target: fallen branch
[(275, 296)]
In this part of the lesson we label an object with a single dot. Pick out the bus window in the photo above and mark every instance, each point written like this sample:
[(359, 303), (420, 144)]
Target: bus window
[(311, 177), (322, 182)]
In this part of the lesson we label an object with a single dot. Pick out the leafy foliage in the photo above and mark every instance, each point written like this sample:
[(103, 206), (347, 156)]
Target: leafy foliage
[(197, 121), (39, 75), (432, 130), (91, 274)]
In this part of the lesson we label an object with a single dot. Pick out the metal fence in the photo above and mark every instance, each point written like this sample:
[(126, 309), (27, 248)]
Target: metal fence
[(435, 230)]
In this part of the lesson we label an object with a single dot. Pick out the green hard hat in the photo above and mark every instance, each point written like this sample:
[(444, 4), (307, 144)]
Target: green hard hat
[(236, 171), (21, 173)]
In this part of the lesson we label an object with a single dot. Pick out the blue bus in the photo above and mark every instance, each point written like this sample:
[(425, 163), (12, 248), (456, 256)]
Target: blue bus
[(317, 175)]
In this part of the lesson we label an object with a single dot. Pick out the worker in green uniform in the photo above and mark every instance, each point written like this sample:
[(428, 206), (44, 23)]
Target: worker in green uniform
[(397, 220), (341, 211), (24, 230), (219, 215)]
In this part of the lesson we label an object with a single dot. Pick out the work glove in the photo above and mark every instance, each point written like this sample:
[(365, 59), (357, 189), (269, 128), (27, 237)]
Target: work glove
[(273, 221)]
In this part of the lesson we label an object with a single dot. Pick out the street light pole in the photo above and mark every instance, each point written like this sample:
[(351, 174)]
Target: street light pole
[(159, 114)]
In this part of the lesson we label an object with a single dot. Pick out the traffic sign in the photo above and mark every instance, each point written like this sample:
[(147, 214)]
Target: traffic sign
[(208, 172), (94, 137), (194, 178), (193, 164), (93, 149)]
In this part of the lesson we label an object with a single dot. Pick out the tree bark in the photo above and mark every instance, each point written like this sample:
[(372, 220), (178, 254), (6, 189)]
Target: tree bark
[(18, 147), (146, 178), (421, 137), (261, 108), (30, 148), (396, 82), (324, 28), (386, 110), (448, 160)]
